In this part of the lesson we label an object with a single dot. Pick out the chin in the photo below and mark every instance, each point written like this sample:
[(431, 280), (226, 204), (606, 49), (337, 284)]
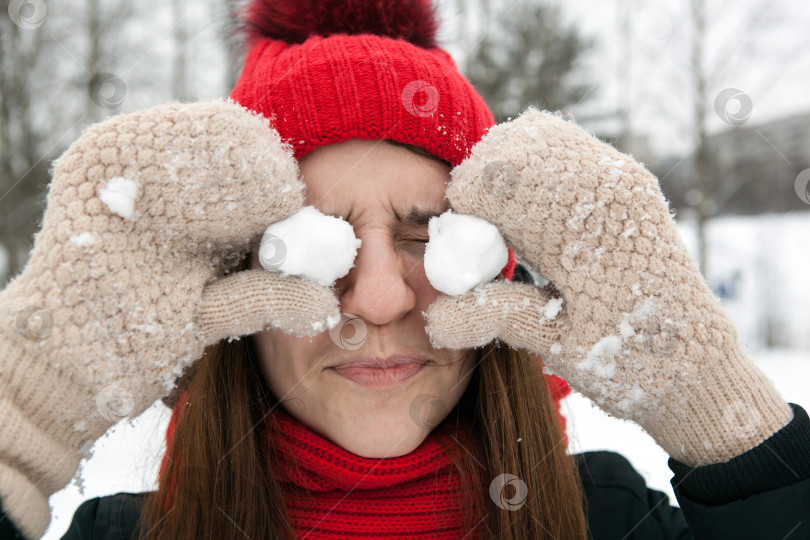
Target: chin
[(373, 424), (376, 435), (383, 446)]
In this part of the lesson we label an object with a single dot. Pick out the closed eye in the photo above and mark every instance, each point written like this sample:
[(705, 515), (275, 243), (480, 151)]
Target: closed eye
[(415, 245), (424, 240)]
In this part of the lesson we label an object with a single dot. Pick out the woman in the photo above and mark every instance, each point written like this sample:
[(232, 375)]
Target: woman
[(296, 430)]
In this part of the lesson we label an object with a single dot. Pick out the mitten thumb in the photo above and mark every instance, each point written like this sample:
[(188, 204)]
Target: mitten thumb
[(523, 316), (246, 302)]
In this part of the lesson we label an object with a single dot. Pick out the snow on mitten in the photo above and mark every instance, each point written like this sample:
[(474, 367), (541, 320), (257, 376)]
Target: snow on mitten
[(124, 287), (627, 318)]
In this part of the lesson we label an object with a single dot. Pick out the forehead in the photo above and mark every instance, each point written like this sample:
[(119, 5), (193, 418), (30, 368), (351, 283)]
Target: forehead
[(340, 177)]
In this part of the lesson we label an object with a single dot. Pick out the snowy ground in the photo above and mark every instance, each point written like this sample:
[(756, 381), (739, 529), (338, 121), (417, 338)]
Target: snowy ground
[(760, 265)]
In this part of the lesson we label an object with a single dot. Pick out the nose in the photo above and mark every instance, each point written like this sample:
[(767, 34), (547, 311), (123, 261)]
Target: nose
[(376, 288)]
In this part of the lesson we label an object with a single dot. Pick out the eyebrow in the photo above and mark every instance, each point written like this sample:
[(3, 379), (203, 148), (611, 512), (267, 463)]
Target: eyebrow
[(417, 216)]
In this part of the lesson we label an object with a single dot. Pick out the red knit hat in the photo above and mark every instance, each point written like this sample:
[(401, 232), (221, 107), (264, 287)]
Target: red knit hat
[(328, 71)]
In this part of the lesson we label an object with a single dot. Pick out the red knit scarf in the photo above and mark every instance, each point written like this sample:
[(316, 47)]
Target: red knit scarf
[(333, 494)]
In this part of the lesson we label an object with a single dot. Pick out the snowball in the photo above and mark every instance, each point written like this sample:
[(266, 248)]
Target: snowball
[(556, 348), (311, 245), (463, 251), (119, 196)]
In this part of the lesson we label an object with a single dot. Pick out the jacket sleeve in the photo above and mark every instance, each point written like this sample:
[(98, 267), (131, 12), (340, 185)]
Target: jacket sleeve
[(7, 529), (761, 494), (618, 503), (111, 517)]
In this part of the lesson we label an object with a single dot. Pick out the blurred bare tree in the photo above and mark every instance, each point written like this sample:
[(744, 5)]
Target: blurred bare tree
[(50, 85), (179, 44), (719, 184), (731, 171), (66, 65), (23, 173), (103, 21), (226, 12), (523, 54)]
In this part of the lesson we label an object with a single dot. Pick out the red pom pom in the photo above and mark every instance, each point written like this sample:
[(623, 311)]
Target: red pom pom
[(294, 21)]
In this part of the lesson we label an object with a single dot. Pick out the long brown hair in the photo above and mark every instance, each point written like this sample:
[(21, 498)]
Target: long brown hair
[(222, 485)]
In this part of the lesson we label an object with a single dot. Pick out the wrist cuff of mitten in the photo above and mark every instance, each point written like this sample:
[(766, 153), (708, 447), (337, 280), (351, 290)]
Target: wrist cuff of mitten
[(781, 460), (33, 463), (23, 503)]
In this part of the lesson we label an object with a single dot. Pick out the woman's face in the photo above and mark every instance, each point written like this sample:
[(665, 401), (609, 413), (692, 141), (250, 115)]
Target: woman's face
[(386, 193)]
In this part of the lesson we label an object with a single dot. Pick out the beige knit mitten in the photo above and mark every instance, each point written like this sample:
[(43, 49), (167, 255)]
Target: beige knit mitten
[(627, 319), (126, 282)]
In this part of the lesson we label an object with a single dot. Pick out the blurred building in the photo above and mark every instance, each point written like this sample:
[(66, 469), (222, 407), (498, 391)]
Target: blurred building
[(787, 139), (751, 168)]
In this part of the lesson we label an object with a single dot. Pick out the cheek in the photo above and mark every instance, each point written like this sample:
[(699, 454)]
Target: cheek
[(449, 384), (419, 283), (268, 354), (283, 360)]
